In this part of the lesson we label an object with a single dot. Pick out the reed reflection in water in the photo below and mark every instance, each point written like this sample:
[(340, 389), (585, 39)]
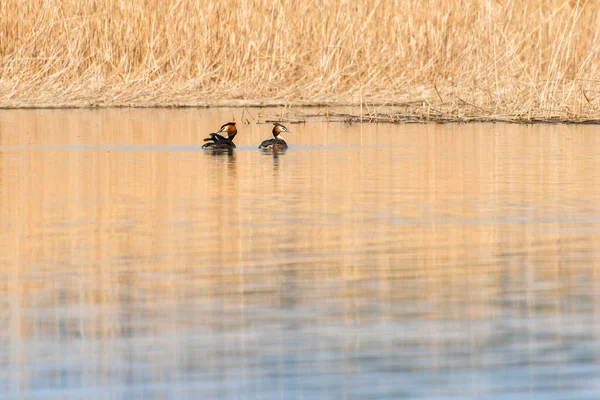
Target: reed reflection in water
[(374, 261)]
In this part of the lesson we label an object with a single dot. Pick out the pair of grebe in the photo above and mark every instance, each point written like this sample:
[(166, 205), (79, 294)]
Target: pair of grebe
[(216, 141)]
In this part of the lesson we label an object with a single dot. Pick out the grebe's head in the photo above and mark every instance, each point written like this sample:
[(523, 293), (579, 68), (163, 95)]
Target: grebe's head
[(230, 129), (278, 128)]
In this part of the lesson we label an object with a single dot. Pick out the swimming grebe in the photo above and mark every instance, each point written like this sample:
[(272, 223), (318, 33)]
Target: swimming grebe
[(218, 142), (277, 143)]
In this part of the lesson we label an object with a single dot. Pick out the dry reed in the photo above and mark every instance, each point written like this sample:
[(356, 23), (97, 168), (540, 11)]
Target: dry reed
[(504, 59)]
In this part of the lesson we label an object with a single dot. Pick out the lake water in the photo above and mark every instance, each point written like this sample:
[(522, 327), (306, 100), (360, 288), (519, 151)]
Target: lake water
[(367, 262)]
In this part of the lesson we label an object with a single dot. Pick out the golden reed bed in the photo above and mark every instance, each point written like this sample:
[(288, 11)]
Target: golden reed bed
[(521, 60)]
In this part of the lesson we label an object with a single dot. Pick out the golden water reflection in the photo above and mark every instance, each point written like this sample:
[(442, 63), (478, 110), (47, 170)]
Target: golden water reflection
[(413, 261)]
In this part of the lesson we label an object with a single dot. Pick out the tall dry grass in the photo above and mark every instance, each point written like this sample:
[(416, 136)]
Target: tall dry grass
[(517, 57)]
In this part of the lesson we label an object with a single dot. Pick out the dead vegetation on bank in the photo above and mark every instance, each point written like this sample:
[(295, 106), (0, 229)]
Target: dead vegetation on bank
[(428, 60)]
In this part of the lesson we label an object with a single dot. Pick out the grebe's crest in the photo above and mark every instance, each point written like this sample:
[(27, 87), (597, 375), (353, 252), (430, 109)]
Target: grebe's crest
[(278, 128), (228, 127)]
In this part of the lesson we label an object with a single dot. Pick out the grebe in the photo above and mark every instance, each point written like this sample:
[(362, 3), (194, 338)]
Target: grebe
[(277, 143), (218, 142)]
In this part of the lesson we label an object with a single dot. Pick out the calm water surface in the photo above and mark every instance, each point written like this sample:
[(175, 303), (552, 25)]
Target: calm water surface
[(374, 261)]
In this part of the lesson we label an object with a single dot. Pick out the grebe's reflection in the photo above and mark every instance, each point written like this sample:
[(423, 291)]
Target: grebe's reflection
[(275, 154)]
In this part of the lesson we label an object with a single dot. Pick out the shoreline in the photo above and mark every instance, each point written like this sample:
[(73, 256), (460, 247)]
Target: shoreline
[(377, 112)]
